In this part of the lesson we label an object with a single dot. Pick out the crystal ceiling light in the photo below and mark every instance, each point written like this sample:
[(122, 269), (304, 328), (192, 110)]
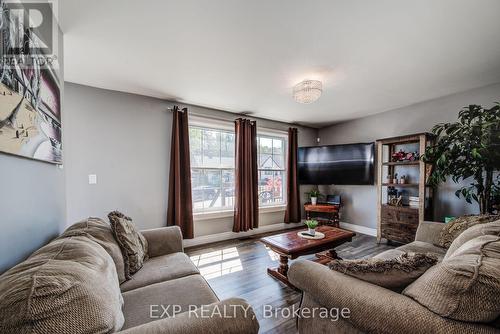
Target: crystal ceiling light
[(307, 91)]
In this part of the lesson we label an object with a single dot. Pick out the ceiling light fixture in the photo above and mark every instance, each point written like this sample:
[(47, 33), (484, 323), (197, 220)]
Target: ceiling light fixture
[(307, 91)]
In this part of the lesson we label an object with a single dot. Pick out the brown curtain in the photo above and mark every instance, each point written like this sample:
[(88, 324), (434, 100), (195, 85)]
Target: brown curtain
[(293, 209), (246, 208), (180, 205)]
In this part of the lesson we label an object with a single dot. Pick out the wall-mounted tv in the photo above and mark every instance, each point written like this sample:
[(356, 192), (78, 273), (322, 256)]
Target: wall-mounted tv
[(349, 164)]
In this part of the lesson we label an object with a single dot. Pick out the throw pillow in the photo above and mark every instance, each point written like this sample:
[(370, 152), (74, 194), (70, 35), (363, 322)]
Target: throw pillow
[(132, 243), (395, 273), (473, 232), (99, 231), (454, 228), (466, 285)]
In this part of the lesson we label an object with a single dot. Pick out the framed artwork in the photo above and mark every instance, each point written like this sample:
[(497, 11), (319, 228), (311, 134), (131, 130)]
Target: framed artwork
[(30, 101)]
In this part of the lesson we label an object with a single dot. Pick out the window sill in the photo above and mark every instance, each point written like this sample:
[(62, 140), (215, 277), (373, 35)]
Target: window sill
[(213, 215), (230, 213), (274, 208)]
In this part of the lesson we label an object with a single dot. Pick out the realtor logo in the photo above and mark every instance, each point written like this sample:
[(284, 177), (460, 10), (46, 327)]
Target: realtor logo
[(29, 33)]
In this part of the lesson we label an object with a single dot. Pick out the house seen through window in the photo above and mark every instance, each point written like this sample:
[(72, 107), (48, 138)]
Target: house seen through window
[(212, 169)]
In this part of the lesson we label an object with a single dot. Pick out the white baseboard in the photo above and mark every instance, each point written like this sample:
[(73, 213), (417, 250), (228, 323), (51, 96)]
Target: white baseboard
[(207, 239), (359, 229)]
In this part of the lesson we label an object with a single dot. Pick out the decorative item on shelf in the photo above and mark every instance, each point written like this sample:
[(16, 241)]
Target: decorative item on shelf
[(395, 179), (311, 226), (313, 195), (396, 201), (414, 201), (392, 193), (412, 156), (398, 156), (402, 156), (402, 180), (389, 178)]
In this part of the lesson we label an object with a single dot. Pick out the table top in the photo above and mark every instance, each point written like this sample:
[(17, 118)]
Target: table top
[(323, 207), (290, 242)]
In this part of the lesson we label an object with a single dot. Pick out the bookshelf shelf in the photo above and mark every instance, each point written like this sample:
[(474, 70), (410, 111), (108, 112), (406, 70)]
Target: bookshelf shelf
[(403, 185), (402, 163)]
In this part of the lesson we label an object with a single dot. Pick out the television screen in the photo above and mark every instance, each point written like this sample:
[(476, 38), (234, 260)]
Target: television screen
[(349, 164)]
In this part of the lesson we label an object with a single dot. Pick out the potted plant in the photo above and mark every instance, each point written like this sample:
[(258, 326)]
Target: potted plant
[(311, 225), (313, 195), (469, 149)]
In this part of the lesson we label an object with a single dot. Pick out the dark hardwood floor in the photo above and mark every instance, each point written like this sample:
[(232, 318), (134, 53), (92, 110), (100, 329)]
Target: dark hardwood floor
[(238, 268)]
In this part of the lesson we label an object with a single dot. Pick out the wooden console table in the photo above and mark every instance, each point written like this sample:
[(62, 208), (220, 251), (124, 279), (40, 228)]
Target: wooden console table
[(331, 209)]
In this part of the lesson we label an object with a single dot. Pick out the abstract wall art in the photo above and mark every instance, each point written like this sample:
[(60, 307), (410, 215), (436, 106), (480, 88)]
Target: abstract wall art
[(30, 101)]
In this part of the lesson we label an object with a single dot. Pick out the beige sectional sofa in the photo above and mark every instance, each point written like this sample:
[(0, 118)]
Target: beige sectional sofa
[(72, 285), (374, 309)]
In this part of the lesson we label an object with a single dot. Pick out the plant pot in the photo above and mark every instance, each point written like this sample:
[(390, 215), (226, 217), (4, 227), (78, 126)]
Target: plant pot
[(311, 231), (314, 200)]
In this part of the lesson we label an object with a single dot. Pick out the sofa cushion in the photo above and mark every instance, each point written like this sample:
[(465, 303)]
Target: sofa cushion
[(473, 232), (159, 269), (67, 286), (454, 228), (466, 285), (423, 247), (99, 231), (132, 243), (395, 274), (146, 304), (415, 247)]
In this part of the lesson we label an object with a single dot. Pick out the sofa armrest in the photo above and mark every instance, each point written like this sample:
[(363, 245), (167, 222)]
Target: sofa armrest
[(373, 309), (163, 240), (429, 232), (230, 316)]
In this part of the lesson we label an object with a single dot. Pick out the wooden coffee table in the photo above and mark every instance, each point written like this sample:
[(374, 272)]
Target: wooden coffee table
[(290, 246)]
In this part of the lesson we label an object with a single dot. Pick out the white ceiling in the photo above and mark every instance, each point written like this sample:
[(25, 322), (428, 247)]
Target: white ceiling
[(245, 56)]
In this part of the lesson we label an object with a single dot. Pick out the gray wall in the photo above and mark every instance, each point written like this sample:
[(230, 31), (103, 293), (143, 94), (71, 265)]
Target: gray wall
[(32, 200), (121, 138), (32, 207), (125, 140), (360, 201)]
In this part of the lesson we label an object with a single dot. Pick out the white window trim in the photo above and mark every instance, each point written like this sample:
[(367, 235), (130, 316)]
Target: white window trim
[(209, 215), (216, 125), (264, 132)]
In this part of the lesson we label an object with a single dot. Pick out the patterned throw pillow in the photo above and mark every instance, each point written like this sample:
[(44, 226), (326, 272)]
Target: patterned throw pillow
[(394, 274), (133, 245), (454, 228)]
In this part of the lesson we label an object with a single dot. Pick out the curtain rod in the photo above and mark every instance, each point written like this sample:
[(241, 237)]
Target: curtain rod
[(231, 121)]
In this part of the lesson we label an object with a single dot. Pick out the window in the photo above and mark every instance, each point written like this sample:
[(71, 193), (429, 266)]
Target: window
[(271, 163), (212, 168)]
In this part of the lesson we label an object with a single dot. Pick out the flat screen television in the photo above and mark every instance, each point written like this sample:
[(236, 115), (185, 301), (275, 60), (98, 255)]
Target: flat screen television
[(350, 164)]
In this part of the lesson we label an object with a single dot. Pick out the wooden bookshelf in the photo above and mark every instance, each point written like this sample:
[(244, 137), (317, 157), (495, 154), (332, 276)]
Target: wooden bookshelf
[(399, 223)]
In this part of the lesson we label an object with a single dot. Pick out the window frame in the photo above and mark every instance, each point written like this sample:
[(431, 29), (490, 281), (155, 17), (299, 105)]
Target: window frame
[(228, 126), (274, 134), (204, 124)]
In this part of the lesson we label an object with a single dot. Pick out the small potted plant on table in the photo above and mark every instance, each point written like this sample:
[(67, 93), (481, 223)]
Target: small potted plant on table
[(311, 225), (313, 195)]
